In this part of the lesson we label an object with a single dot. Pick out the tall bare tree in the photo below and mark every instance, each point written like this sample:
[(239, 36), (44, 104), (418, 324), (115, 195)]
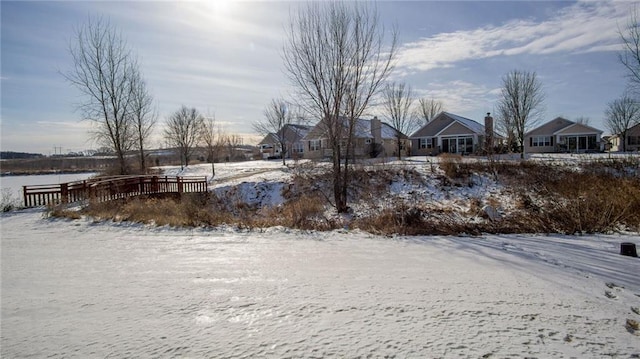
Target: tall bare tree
[(630, 54), (103, 70), (183, 130), (622, 114), (397, 100), (277, 121), (428, 108), (521, 103), (211, 135), (143, 116), (335, 57)]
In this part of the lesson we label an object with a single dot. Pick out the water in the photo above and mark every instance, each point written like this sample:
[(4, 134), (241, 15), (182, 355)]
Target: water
[(11, 186)]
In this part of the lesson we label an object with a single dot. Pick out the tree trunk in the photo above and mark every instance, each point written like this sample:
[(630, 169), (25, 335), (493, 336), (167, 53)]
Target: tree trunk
[(142, 161), (123, 163)]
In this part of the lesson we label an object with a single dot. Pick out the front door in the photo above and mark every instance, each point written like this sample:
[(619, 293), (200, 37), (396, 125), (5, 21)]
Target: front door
[(572, 143)]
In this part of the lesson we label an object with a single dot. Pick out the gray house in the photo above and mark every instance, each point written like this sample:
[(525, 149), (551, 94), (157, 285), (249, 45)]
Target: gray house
[(371, 138), (270, 146), (562, 135), (450, 133)]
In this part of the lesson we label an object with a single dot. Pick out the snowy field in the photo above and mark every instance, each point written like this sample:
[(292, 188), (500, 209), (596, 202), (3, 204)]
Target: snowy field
[(85, 289), (81, 289)]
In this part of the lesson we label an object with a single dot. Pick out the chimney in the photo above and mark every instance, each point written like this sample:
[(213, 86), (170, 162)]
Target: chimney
[(376, 130), (488, 133)]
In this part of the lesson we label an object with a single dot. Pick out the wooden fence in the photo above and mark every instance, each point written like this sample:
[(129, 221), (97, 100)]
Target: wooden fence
[(110, 188)]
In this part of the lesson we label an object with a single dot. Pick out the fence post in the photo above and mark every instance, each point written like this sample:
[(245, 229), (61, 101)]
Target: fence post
[(180, 184), (24, 194), (64, 192)]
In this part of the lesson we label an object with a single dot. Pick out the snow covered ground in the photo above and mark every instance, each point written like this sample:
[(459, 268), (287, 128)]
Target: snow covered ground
[(85, 289)]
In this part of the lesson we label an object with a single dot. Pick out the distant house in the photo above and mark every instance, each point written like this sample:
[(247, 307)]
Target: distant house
[(632, 140), (372, 138), (270, 146), (450, 133), (562, 135)]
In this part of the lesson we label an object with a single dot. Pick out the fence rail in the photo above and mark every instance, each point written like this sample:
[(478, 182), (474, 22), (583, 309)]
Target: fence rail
[(110, 188)]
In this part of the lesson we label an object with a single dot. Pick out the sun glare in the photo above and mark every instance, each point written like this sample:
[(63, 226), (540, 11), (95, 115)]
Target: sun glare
[(221, 8)]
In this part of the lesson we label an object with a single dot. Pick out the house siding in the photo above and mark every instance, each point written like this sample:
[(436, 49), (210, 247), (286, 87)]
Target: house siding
[(580, 136), (633, 132), (456, 129)]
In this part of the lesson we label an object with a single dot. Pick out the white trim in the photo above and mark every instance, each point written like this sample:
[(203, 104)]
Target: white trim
[(451, 124), (595, 130)]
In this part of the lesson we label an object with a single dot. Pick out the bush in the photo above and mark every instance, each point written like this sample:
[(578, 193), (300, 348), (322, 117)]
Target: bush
[(7, 201), (451, 164)]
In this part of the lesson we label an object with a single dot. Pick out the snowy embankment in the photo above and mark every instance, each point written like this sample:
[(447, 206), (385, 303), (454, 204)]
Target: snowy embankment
[(100, 289)]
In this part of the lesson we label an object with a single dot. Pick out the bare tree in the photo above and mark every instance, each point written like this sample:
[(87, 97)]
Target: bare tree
[(583, 120), (143, 116), (277, 121), (428, 108), (397, 99), (211, 136), (335, 58), (183, 130), (103, 71), (232, 142), (505, 125), (622, 114), (630, 55), (521, 103)]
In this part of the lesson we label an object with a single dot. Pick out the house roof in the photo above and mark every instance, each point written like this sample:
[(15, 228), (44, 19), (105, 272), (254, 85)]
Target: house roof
[(561, 125), (445, 120), (362, 130), (292, 133)]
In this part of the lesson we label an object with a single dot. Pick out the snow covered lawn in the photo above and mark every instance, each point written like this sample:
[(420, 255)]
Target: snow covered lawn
[(79, 289)]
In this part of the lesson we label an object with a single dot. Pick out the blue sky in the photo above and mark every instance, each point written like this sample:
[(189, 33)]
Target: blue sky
[(224, 58)]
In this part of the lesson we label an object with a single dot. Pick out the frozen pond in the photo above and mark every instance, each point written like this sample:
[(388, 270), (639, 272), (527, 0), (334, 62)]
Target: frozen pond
[(79, 289), (11, 186)]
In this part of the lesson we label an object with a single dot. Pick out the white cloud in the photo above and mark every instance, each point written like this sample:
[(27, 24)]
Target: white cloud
[(462, 98), (580, 28)]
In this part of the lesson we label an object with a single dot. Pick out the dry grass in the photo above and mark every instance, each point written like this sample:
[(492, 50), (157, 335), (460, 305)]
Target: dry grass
[(550, 198), (453, 166)]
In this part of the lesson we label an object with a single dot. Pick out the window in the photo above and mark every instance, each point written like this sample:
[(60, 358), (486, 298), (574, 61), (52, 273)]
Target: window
[(633, 140), (298, 147), (314, 145), (465, 145), (426, 142), (541, 141)]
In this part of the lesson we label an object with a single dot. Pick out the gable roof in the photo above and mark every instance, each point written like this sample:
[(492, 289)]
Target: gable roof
[(292, 133), (561, 125), (445, 120), (269, 139), (362, 130)]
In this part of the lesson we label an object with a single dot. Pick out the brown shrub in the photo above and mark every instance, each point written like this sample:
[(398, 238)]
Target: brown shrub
[(302, 213), (452, 166)]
